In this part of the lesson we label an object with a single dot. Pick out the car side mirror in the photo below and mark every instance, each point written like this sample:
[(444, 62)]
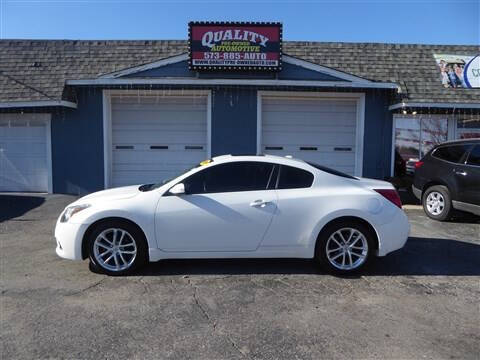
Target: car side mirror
[(178, 189)]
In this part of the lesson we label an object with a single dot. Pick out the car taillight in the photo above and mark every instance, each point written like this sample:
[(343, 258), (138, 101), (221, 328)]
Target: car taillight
[(390, 195), (418, 164)]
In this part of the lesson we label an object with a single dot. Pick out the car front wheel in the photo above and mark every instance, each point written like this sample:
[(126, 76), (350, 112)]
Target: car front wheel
[(116, 248), (437, 203), (345, 247)]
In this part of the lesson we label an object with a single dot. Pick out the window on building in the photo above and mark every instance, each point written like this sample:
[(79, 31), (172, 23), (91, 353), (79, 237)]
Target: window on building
[(416, 135), (468, 126), (294, 178)]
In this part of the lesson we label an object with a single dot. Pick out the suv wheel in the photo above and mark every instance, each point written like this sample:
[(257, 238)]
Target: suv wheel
[(437, 203)]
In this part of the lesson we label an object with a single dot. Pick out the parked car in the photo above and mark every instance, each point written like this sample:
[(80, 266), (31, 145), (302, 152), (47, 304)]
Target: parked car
[(410, 166), (237, 207), (448, 178)]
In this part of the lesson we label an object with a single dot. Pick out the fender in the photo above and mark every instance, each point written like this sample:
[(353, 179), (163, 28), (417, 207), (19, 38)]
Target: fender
[(338, 214), (144, 222)]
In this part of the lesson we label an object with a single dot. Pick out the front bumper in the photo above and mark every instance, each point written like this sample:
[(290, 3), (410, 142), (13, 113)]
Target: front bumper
[(394, 234), (417, 192), (69, 238)]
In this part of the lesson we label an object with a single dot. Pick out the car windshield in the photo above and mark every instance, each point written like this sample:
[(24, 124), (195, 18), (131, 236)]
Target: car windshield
[(149, 187), (331, 171)]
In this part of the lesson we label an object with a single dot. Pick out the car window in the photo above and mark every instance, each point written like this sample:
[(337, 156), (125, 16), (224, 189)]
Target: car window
[(229, 177), (331, 171), (452, 153), (294, 178), (474, 157)]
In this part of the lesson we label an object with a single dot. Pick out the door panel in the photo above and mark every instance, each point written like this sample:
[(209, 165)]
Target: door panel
[(156, 138), (318, 130), (23, 152), (468, 178), (233, 221)]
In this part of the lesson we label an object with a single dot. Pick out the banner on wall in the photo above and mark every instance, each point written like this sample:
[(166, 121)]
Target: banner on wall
[(235, 46), (459, 71)]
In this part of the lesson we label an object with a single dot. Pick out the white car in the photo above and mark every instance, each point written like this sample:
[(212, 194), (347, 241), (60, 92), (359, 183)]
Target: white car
[(237, 207)]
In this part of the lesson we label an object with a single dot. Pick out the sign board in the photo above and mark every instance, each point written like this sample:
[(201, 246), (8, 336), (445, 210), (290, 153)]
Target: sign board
[(459, 71), (235, 46)]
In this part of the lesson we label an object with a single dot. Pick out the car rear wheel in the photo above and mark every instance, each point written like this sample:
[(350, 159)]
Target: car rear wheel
[(116, 248), (437, 203), (345, 247)]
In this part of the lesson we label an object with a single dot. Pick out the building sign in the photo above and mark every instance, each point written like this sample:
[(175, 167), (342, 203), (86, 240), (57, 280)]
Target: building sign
[(236, 46), (459, 71)]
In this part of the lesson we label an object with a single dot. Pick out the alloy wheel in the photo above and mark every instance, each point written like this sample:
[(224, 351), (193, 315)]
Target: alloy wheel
[(347, 249), (114, 249)]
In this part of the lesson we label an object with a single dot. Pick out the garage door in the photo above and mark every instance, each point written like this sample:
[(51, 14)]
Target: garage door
[(318, 130), (23, 152), (155, 138)]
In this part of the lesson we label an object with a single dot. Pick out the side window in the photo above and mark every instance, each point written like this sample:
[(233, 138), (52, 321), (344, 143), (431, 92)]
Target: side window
[(453, 153), (294, 178), (474, 157), (229, 177)]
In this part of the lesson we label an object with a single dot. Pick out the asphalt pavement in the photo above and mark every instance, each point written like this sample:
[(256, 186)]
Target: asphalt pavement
[(419, 302)]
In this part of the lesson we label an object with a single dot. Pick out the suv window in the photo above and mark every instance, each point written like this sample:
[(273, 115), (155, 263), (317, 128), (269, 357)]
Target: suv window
[(474, 157), (452, 153), (294, 178), (229, 177)]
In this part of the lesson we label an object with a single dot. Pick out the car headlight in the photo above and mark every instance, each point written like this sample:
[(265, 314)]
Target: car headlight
[(72, 210)]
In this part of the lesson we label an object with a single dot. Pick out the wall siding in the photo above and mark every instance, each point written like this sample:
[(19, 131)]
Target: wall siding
[(77, 135), (234, 121), (377, 143), (77, 145)]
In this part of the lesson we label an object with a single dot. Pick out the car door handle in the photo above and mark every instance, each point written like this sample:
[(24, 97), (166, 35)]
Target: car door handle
[(259, 203), (463, 173)]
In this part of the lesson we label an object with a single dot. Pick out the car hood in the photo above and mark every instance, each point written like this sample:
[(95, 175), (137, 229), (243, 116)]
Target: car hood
[(119, 193)]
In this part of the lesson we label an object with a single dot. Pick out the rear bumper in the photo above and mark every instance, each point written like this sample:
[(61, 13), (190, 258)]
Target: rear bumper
[(69, 240), (394, 234), (417, 192)]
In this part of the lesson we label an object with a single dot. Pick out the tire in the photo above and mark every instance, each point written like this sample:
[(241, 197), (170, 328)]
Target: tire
[(121, 246), (437, 203), (330, 238)]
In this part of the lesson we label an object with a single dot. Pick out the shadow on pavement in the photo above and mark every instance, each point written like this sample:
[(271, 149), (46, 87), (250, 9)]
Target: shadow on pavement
[(427, 256), (420, 256), (12, 206), (465, 218)]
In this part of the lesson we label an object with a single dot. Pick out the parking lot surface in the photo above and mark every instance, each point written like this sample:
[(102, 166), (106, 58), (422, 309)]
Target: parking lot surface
[(419, 302)]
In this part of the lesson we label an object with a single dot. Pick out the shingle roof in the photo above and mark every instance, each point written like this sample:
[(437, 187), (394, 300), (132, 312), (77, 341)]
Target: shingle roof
[(38, 69)]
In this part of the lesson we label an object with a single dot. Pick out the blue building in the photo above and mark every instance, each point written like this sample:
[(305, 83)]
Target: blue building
[(81, 116)]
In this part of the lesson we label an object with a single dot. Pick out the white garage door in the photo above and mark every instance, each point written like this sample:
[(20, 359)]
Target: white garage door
[(155, 138), (318, 130), (23, 152)]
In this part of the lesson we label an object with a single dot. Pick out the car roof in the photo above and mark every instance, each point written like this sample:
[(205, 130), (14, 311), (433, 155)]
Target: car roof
[(261, 158)]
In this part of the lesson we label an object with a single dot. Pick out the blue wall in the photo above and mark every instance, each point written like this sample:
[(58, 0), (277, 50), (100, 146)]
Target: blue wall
[(77, 145), (180, 69), (77, 135), (234, 121), (377, 143)]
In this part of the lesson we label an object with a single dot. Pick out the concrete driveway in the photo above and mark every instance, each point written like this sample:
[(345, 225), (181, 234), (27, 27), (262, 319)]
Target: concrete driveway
[(420, 302)]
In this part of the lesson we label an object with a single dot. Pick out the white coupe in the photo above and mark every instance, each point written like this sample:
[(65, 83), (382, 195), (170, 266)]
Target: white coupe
[(237, 207)]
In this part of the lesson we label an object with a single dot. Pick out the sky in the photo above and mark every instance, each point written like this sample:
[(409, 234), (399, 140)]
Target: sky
[(392, 21)]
